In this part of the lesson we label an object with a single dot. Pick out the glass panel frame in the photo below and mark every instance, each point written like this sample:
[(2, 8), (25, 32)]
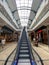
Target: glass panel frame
[(24, 14)]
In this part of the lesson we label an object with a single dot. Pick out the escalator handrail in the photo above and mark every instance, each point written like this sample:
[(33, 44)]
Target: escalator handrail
[(18, 47), (6, 61), (30, 47), (39, 57)]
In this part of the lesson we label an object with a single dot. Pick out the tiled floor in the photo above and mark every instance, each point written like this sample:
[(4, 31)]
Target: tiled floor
[(45, 47), (43, 53), (5, 46), (6, 52), (42, 50)]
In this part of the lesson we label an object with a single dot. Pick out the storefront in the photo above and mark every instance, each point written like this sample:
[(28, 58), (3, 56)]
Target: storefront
[(42, 35)]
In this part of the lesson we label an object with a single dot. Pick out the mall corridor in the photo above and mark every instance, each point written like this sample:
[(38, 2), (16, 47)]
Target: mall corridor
[(24, 32)]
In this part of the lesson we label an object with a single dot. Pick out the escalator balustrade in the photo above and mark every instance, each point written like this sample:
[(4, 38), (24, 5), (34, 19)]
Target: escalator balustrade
[(24, 52)]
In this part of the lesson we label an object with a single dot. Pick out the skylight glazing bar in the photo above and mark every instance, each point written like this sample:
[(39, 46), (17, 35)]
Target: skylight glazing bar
[(24, 5)]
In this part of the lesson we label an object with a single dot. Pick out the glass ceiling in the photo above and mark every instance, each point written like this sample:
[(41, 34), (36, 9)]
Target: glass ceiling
[(24, 7)]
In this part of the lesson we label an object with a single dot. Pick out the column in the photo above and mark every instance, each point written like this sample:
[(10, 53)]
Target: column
[(48, 33)]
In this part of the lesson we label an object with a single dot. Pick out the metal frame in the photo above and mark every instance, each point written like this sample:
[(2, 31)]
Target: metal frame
[(23, 18), (11, 11), (24, 9)]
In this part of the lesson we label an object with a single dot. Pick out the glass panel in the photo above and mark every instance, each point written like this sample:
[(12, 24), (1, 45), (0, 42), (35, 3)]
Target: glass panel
[(24, 12)]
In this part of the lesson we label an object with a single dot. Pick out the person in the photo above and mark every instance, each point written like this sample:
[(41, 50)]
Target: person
[(34, 39), (3, 42), (37, 40)]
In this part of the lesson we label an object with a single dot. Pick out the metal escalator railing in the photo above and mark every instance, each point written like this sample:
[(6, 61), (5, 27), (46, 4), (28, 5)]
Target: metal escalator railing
[(31, 54), (38, 59), (35, 58), (15, 60), (10, 58), (23, 52)]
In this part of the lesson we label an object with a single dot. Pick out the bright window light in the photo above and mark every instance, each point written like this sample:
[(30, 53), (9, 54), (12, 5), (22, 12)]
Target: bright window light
[(23, 11)]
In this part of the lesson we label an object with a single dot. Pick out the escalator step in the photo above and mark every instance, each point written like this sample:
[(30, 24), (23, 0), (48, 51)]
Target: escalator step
[(24, 63), (24, 44), (23, 47), (24, 57), (24, 52), (24, 60)]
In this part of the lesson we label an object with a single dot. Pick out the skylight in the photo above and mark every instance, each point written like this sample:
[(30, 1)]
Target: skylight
[(24, 7)]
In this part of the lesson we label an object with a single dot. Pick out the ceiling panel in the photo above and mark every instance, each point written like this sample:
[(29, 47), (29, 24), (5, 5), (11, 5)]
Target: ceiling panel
[(12, 4), (32, 15), (2, 22), (36, 4), (16, 15), (33, 9)]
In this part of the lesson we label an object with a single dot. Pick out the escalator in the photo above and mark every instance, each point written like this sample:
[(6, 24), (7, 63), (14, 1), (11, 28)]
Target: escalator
[(23, 57), (25, 54)]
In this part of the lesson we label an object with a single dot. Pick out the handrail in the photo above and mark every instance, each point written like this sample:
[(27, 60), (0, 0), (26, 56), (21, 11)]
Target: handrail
[(14, 50), (39, 57), (32, 58), (30, 50), (31, 53), (9, 57), (7, 16), (37, 21), (17, 51)]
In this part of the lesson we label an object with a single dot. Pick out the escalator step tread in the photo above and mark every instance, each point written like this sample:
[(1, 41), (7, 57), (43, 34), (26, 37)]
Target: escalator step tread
[(24, 57), (24, 63), (24, 60), (24, 47), (24, 52)]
